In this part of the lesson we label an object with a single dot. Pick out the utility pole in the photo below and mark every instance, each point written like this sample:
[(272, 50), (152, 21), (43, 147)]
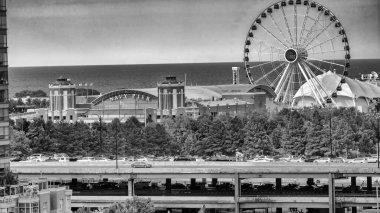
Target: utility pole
[(100, 134), (117, 150), (331, 152), (378, 141)]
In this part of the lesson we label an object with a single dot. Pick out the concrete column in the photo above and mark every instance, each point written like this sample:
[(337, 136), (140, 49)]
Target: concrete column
[(214, 181), (237, 192), (169, 210), (331, 193), (168, 184), (353, 184), (278, 210), (278, 184), (369, 184), (354, 209), (131, 186), (204, 180), (192, 183)]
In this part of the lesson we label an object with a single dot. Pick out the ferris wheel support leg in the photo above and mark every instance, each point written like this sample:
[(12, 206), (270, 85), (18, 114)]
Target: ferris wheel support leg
[(279, 85), (291, 76), (315, 82), (282, 82), (309, 84)]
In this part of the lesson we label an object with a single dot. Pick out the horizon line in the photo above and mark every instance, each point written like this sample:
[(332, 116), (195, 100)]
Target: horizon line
[(78, 65)]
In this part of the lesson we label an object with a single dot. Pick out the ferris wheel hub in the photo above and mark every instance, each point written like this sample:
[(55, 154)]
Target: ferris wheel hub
[(291, 55)]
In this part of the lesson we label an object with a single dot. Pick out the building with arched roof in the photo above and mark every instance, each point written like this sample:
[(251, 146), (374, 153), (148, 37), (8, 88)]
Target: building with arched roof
[(354, 93)]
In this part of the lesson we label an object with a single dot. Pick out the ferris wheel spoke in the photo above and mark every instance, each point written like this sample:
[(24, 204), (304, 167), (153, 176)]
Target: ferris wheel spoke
[(258, 65), (314, 77), (268, 45), (323, 30), (311, 28), (311, 84), (322, 52), (287, 25), (270, 72), (279, 29), (271, 34), (295, 23), (304, 23), (328, 62), (323, 42), (315, 66)]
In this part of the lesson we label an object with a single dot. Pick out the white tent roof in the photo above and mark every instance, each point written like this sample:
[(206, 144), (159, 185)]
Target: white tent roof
[(352, 88)]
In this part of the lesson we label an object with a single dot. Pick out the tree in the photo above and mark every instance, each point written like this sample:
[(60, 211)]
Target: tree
[(134, 205), (257, 141)]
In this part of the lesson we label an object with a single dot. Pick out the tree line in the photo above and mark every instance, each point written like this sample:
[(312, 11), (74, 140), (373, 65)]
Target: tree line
[(310, 131)]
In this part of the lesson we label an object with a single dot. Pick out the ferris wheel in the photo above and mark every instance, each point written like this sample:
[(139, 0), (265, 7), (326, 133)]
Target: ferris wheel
[(290, 43)]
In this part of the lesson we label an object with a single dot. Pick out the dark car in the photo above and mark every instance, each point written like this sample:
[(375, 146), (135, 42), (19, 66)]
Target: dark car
[(246, 187), (266, 187), (311, 159), (106, 185), (141, 164), (183, 158), (225, 186)]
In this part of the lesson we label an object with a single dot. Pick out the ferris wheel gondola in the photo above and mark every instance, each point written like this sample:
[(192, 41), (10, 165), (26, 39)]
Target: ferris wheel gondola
[(290, 43)]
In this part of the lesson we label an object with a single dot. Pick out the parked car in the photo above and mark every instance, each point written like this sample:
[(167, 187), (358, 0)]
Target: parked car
[(322, 160), (359, 160), (259, 160), (63, 159), (38, 157), (141, 164), (311, 158), (86, 159), (101, 159), (372, 159), (51, 159), (142, 159), (183, 158), (297, 160)]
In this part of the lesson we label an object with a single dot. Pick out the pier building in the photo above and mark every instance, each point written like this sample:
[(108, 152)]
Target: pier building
[(170, 98)]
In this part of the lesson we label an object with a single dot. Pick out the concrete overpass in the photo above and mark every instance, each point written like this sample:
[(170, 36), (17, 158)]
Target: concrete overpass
[(236, 171)]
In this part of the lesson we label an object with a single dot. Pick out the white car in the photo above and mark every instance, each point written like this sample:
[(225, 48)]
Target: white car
[(259, 160), (297, 160), (63, 159), (38, 157), (372, 159), (86, 159), (102, 159), (322, 160), (144, 159), (359, 160)]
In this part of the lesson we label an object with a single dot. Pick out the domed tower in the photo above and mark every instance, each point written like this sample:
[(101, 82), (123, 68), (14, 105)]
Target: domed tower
[(171, 95), (62, 97)]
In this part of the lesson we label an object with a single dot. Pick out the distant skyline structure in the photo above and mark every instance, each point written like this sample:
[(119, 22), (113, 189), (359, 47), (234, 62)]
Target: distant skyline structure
[(96, 32)]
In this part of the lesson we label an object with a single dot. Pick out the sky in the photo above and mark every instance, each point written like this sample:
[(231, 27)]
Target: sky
[(101, 32)]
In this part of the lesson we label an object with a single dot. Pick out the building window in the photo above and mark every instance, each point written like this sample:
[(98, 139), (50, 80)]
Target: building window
[(3, 22), (4, 132), (3, 96), (4, 77), (4, 151), (3, 5), (71, 117)]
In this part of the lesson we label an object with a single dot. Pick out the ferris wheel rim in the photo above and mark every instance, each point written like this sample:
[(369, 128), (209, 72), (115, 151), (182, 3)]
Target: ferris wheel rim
[(256, 24)]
